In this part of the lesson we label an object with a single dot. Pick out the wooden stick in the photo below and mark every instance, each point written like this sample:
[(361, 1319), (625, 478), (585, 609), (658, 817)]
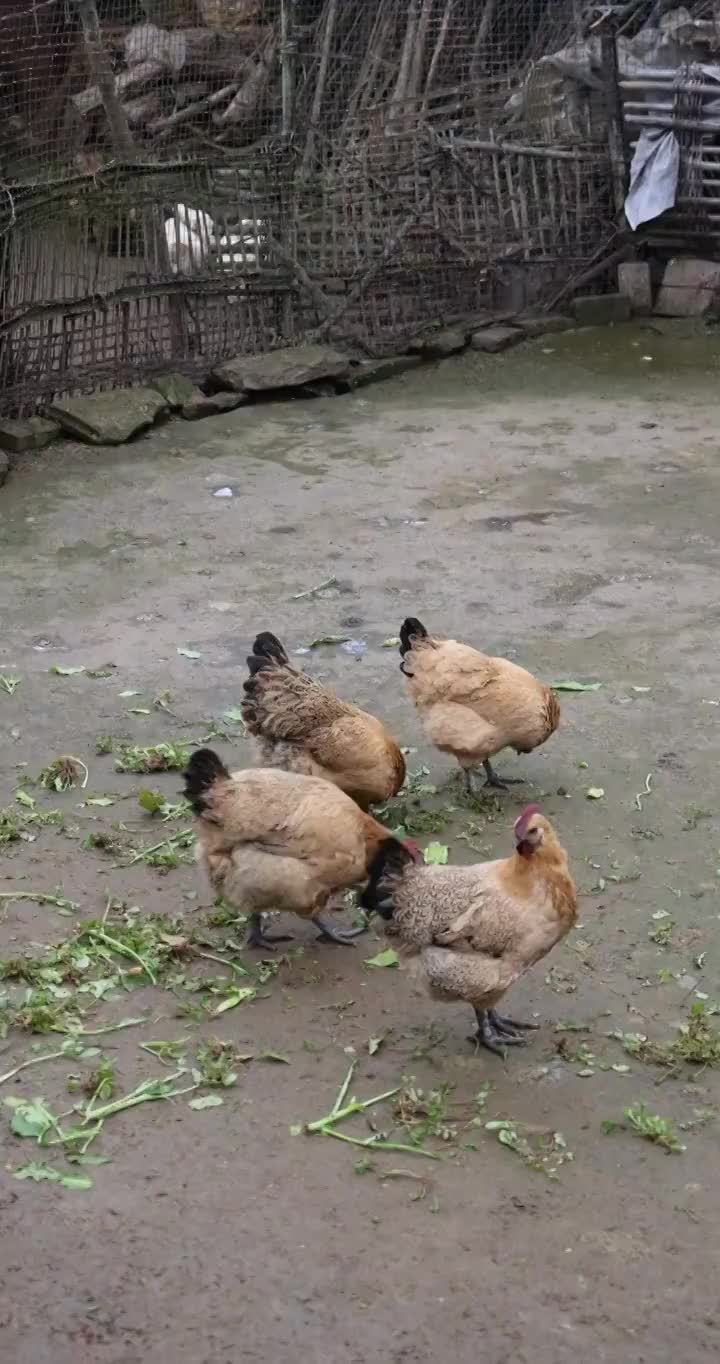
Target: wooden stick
[(616, 128), (437, 50), (319, 298), (287, 65), (476, 73), (508, 148), (418, 53), (319, 91), (605, 262), (406, 56), (99, 63), (170, 121), (664, 76), (375, 266), (694, 125)]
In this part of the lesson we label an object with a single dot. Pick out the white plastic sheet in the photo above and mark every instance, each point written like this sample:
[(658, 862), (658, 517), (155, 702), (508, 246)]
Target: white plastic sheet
[(653, 176)]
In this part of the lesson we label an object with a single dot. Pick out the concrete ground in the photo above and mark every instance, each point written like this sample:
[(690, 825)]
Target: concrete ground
[(558, 505)]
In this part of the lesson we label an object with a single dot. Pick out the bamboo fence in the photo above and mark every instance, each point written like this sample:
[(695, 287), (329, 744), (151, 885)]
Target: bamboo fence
[(190, 179)]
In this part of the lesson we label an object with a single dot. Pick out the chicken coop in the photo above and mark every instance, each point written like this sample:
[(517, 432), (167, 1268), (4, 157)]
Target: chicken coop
[(184, 180)]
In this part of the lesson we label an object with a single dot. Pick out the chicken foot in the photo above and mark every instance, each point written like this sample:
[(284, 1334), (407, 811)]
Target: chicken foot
[(496, 1032), (329, 933), (492, 778), (258, 938)]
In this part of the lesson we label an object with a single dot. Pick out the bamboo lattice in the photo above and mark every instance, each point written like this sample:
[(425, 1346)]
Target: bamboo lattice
[(182, 180)]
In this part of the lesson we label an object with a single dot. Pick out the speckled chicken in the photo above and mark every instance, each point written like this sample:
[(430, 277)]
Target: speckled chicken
[(270, 839), (473, 705), (303, 727), (469, 932)]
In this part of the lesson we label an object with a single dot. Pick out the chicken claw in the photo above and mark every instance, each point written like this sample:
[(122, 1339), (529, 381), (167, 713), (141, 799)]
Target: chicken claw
[(492, 1035), (493, 779), (345, 936), (511, 1025), (258, 938)]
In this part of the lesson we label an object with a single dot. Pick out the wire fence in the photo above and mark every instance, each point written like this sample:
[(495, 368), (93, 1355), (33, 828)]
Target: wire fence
[(183, 180)]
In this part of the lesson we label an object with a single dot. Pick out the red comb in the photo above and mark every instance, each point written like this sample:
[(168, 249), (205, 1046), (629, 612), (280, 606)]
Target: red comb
[(523, 819)]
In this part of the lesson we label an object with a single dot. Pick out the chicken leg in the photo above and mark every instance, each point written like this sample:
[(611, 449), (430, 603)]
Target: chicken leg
[(329, 933), (258, 938), (496, 1032), (493, 778)]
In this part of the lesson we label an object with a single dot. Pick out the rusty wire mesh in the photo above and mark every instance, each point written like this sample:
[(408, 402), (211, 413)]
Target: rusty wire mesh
[(182, 180)]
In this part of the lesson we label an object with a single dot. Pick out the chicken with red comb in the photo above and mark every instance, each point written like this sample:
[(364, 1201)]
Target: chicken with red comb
[(469, 932)]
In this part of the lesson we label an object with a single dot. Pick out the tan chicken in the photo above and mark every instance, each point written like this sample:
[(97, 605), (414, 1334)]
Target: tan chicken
[(301, 726), (472, 705), (270, 839), (471, 931)]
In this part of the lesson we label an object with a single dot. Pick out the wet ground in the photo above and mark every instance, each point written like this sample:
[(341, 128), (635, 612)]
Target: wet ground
[(559, 505)]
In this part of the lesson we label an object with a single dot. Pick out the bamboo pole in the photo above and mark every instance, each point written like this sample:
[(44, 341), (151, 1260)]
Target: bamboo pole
[(694, 125), (508, 148), (616, 128), (319, 91), (437, 51), (406, 57), (287, 65)]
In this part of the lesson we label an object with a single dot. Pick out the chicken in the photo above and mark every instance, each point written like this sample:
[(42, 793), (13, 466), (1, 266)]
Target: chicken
[(270, 839), (471, 931), (303, 727), (473, 705)]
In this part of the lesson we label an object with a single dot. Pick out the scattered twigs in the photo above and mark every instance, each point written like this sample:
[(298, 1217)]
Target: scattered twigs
[(327, 1126), (310, 591)]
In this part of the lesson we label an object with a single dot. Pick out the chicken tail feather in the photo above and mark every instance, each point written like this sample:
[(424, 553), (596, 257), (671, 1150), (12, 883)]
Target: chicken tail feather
[(384, 873), (268, 645), (201, 773), (410, 630), (267, 652)]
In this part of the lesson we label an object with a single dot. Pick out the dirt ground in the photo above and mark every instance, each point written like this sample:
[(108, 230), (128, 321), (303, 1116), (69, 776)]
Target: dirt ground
[(559, 505)]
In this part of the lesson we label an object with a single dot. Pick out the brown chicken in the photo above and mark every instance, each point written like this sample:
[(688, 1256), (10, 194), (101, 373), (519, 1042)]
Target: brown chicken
[(270, 839), (472, 705), (301, 726), (471, 931)]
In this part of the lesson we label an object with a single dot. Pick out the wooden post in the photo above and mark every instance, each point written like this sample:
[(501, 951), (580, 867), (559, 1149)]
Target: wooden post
[(617, 146)]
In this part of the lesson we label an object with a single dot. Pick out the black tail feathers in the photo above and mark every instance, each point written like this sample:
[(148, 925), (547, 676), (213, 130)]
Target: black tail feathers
[(410, 630), (268, 646), (267, 651), (201, 773), (390, 861)]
